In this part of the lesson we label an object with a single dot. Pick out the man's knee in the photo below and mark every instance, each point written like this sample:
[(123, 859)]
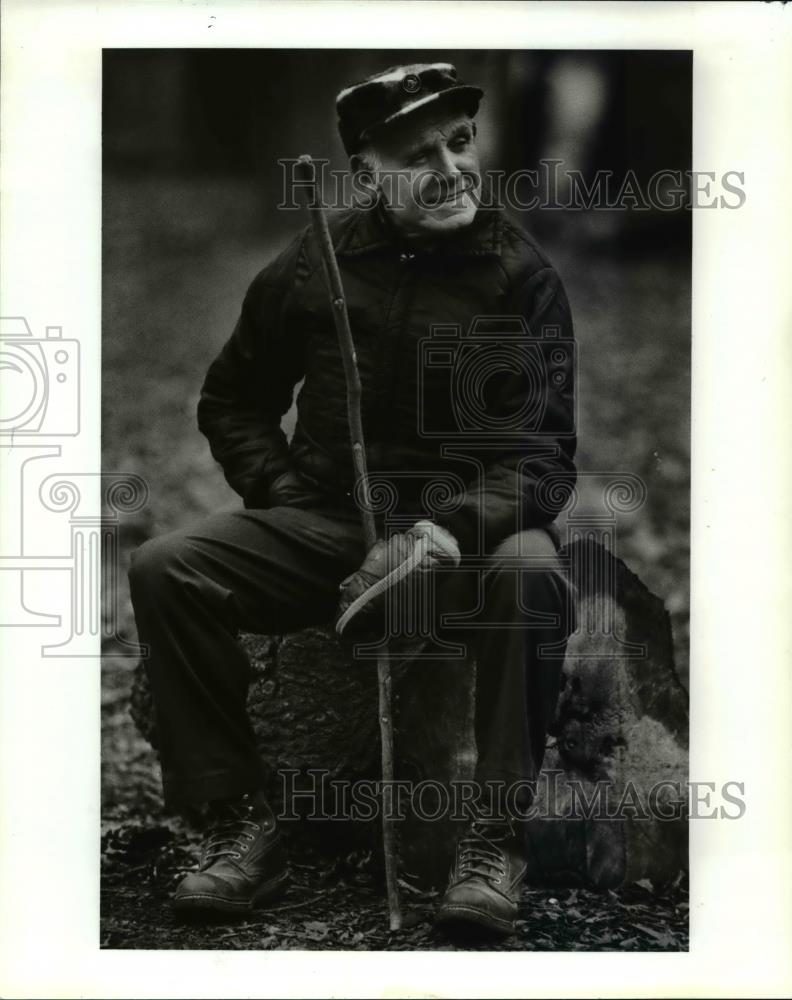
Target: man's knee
[(158, 560), (524, 562), (531, 548), (526, 574)]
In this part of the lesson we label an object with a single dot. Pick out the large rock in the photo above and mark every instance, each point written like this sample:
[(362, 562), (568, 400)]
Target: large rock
[(621, 728), (620, 738)]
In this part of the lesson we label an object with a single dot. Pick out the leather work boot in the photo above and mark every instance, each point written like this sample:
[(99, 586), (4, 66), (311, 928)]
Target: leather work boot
[(242, 864), (484, 888)]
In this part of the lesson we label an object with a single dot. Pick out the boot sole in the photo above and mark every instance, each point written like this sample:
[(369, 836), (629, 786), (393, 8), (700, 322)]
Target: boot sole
[(457, 918), (207, 903)]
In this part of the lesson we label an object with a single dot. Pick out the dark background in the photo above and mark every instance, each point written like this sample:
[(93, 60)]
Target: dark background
[(236, 112), (191, 183)]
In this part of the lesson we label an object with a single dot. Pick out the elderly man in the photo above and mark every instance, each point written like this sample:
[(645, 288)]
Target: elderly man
[(426, 256)]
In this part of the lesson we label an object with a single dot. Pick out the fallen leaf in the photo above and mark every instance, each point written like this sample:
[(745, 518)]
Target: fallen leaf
[(315, 930), (662, 937)]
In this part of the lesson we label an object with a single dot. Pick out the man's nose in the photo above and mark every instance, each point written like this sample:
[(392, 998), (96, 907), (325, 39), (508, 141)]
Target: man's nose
[(447, 165)]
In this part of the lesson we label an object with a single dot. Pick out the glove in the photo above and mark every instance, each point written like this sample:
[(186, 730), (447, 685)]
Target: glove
[(395, 562)]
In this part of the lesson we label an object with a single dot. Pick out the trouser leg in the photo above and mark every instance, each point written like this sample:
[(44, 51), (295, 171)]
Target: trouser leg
[(524, 604), (272, 570)]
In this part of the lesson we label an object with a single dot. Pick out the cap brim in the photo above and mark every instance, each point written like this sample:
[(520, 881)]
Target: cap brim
[(453, 95)]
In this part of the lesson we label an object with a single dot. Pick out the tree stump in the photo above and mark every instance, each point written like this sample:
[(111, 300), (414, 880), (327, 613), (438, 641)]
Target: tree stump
[(621, 723), (620, 732)]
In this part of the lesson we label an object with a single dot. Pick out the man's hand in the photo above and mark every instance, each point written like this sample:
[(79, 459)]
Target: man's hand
[(421, 549), (289, 489)]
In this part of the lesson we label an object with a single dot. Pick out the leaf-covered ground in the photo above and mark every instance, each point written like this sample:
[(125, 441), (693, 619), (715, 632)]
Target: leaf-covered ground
[(341, 906), (178, 257)]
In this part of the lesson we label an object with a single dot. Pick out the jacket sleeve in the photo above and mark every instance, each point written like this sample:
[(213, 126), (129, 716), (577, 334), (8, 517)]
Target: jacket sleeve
[(503, 500), (250, 385)]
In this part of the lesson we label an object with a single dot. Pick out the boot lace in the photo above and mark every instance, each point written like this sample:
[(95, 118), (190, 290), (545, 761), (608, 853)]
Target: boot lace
[(230, 837), (479, 853)]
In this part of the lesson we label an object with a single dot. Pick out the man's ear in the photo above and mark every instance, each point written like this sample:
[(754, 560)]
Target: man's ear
[(361, 163)]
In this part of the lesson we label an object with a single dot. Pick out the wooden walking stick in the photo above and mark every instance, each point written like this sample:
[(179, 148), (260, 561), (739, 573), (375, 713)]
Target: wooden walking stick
[(306, 173)]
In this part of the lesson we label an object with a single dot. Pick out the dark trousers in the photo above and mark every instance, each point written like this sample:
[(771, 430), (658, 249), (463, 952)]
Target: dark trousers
[(278, 570)]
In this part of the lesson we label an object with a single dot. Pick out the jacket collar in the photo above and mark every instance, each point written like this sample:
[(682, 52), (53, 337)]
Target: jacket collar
[(370, 230)]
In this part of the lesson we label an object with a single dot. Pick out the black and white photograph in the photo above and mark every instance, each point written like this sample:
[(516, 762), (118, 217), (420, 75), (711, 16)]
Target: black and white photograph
[(410, 585), (395, 537)]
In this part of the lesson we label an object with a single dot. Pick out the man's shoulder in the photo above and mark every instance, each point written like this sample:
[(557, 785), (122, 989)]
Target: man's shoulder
[(280, 269), (521, 254), (295, 261), (534, 280), (305, 245)]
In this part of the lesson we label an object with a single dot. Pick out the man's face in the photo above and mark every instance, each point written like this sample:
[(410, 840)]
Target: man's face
[(429, 173)]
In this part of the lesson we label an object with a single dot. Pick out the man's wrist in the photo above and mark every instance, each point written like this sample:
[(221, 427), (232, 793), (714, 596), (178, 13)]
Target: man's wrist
[(462, 524), (441, 540)]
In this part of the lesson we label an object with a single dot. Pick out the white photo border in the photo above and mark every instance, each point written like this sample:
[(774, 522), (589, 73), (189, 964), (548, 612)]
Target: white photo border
[(741, 917)]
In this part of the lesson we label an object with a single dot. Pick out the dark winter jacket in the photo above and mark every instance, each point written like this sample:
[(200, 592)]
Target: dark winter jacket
[(466, 359)]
